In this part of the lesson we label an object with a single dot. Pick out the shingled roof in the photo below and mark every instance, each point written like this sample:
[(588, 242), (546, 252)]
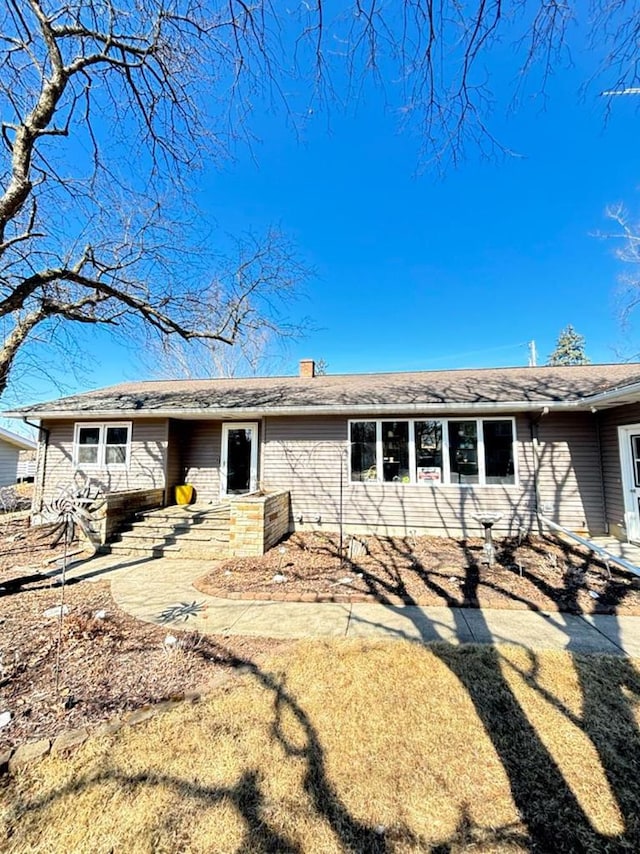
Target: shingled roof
[(518, 389)]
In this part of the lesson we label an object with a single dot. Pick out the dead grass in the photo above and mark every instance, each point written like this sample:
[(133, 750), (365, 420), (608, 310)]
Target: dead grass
[(345, 746)]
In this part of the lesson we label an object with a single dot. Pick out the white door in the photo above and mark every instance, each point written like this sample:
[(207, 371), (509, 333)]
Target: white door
[(239, 458), (629, 438)]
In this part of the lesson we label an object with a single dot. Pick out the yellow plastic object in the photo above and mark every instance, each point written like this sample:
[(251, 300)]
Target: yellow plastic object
[(184, 493)]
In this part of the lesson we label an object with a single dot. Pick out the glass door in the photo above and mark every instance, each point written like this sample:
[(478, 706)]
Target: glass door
[(629, 436), (239, 459)]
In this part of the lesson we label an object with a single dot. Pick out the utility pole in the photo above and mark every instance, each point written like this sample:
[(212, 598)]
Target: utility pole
[(533, 356)]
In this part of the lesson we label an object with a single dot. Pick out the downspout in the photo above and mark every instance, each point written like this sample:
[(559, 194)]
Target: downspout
[(41, 463), (603, 494), (533, 427)]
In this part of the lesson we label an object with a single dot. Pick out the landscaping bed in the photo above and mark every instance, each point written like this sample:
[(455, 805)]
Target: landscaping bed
[(110, 663), (536, 574)]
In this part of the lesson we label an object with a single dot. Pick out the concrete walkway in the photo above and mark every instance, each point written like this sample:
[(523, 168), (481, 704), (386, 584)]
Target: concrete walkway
[(161, 591)]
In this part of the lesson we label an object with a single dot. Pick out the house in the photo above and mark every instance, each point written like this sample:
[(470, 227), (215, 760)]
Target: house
[(396, 452), (11, 447)]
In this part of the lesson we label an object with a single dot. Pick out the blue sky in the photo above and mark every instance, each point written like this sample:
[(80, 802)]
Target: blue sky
[(419, 271)]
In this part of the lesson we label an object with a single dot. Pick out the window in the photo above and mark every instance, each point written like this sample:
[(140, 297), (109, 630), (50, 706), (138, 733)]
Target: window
[(498, 451), (102, 445), (88, 445), (115, 445), (448, 451), (463, 452), (428, 451), (395, 451), (363, 450)]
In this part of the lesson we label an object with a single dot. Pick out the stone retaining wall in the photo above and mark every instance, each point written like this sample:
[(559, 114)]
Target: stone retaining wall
[(257, 523), (119, 507)]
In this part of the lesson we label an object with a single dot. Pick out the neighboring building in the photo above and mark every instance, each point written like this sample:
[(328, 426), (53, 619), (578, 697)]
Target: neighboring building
[(391, 453), (11, 447), (27, 465)]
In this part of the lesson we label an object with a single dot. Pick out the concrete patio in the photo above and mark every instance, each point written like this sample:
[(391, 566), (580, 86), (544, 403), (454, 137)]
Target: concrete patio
[(161, 591)]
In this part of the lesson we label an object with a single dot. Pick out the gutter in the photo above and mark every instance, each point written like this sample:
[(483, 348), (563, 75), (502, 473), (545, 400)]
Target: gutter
[(485, 407), (604, 556), (612, 394)]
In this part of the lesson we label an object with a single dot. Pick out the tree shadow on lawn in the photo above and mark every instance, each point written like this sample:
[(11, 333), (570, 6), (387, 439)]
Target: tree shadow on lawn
[(552, 817)]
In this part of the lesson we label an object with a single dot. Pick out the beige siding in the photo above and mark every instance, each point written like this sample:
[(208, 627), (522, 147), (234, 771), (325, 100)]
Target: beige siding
[(610, 420), (305, 455), (147, 465), (570, 478), (201, 458)]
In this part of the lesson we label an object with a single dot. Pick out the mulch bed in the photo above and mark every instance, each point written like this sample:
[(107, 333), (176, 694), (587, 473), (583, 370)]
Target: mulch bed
[(110, 663), (537, 574)]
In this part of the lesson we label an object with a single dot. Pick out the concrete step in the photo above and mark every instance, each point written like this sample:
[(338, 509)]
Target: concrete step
[(180, 528), (145, 537), (188, 515), (176, 551), (194, 531)]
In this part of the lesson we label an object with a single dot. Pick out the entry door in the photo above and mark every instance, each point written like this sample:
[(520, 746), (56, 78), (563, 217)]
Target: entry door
[(629, 437), (239, 458)]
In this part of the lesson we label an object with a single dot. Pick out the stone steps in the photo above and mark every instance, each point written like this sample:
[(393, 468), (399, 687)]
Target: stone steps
[(149, 527), (187, 532), (175, 516), (176, 552), (167, 537)]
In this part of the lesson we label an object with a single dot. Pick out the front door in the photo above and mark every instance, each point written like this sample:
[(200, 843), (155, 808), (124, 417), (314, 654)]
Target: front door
[(629, 438), (239, 458)]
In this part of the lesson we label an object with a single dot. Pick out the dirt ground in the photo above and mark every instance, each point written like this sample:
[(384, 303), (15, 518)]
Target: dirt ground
[(537, 574), (109, 664)]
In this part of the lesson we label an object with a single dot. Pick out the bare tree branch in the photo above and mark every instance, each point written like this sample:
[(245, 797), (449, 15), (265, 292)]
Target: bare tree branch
[(109, 109)]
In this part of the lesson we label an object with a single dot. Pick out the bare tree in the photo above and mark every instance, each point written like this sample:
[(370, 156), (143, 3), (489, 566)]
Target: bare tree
[(173, 358), (110, 107), (627, 249), (105, 116)]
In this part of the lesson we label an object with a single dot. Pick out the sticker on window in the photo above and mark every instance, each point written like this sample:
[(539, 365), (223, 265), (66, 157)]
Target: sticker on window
[(429, 474)]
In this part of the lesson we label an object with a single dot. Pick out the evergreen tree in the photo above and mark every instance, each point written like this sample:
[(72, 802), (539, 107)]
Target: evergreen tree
[(569, 349)]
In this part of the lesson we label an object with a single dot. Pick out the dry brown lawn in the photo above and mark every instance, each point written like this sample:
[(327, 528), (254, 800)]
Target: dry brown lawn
[(368, 747)]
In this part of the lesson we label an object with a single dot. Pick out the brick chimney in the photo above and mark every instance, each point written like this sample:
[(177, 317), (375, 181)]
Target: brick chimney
[(307, 369)]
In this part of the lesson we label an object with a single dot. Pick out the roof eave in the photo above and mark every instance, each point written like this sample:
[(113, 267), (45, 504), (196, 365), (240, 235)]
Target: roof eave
[(212, 413), (614, 397)]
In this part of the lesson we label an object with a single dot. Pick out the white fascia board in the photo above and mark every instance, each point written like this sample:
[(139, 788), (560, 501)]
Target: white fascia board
[(610, 397), (22, 442), (337, 409)]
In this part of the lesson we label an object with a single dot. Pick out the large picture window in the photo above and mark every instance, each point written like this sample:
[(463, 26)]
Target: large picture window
[(102, 445), (462, 452)]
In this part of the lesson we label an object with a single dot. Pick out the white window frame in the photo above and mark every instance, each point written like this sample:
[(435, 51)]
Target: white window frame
[(102, 447), (446, 467)]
